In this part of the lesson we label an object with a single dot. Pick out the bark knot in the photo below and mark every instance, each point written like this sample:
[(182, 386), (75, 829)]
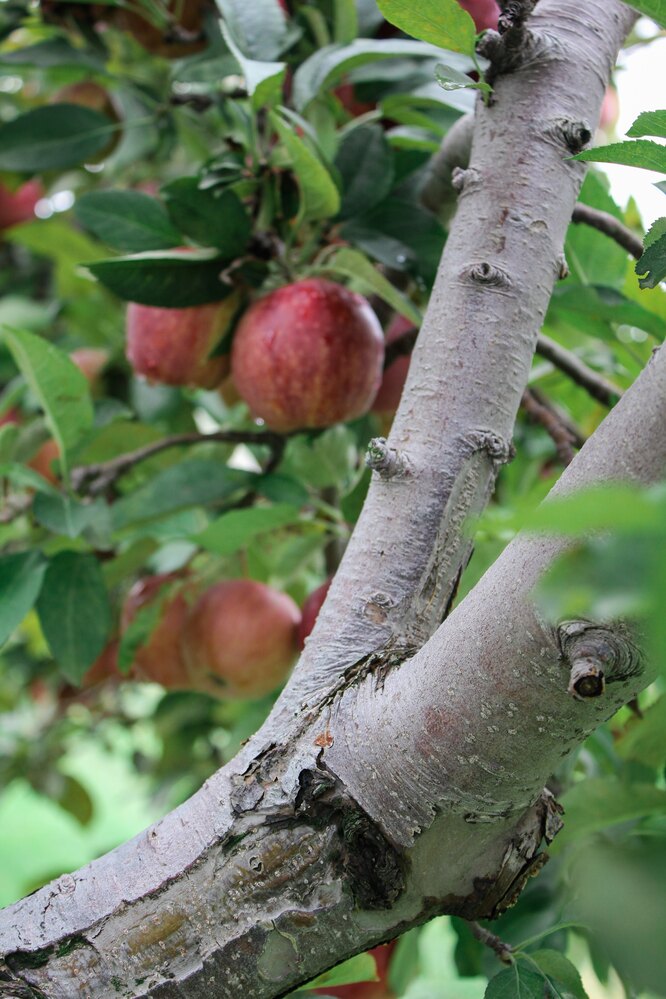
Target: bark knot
[(386, 461), (486, 274), (497, 448), (574, 135), (596, 655)]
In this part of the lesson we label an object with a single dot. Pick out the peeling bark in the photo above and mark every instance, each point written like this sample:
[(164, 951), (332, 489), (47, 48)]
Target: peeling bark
[(395, 780)]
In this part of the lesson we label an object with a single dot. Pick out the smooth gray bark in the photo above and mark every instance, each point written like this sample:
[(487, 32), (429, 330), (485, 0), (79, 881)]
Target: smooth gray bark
[(385, 789)]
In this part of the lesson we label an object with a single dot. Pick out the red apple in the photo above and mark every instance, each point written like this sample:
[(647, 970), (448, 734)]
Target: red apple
[(19, 206), (104, 667), (183, 38), (173, 346), (88, 94), (388, 398), (240, 638), (11, 415), (366, 990), (484, 13), (346, 94), (308, 355), (91, 361), (42, 461), (610, 110), (160, 658), (310, 611)]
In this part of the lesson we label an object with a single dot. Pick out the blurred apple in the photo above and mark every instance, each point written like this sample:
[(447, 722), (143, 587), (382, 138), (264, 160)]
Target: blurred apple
[(310, 611), (19, 206), (160, 659), (43, 459), (367, 990), (91, 361), (240, 639), (610, 110), (388, 397), (308, 355), (484, 13), (104, 668)]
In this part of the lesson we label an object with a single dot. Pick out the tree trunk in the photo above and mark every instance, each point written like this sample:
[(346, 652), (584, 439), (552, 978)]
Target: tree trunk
[(396, 780)]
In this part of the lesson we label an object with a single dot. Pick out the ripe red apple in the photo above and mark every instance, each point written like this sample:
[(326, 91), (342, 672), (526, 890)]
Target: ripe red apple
[(310, 611), (19, 206), (42, 461), (184, 38), (173, 346), (160, 659), (484, 13), (388, 398), (308, 355), (366, 990), (240, 638), (88, 94)]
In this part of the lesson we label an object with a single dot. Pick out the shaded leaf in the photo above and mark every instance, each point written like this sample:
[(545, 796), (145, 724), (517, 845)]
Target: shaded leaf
[(21, 577), (353, 264), (212, 217), (517, 982), (597, 803), (232, 531), (560, 969), (53, 138), (319, 195), (171, 280), (127, 220), (365, 164)]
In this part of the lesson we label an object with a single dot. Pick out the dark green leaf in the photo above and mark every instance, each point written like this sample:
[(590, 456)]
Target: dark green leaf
[(74, 798), (171, 280), (652, 265), (319, 195), (641, 153), (53, 138), (440, 22), (212, 217), (74, 612), (365, 164), (60, 386), (127, 220), (650, 123), (232, 531), (518, 982), (21, 577), (196, 482), (282, 489), (53, 52)]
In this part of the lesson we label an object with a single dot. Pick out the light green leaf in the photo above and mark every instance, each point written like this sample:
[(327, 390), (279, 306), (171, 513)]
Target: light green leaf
[(21, 577), (53, 137), (600, 802), (127, 220), (345, 20), (319, 195), (232, 531), (656, 9), (650, 123), (60, 386), (643, 153), (361, 968), (74, 612), (440, 22), (353, 264)]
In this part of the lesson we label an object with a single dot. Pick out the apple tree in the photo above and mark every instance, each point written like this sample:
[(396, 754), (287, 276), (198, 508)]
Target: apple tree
[(332, 448)]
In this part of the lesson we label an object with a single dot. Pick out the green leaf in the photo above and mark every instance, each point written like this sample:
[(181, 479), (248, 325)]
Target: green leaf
[(557, 967), (73, 798), (441, 22), (652, 264), (332, 62), (53, 138), (592, 256), (64, 515), (21, 578), (263, 80), (74, 612), (345, 20), (361, 968), (61, 388), (212, 217), (319, 195), (643, 738), (171, 280), (127, 220), (597, 803), (282, 489), (353, 264), (641, 153), (656, 9), (232, 531), (452, 79), (650, 122), (196, 482), (517, 982), (258, 29), (365, 163), (25, 477), (54, 52)]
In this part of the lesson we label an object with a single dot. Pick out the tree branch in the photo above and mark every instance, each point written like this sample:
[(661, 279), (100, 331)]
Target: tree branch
[(610, 226), (552, 424), (594, 384)]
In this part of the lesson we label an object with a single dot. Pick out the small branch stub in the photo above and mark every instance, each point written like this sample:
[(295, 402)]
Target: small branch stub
[(586, 679), (385, 460), (596, 656)]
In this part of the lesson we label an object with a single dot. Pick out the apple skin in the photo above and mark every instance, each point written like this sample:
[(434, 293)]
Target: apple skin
[(160, 659), (484, 13), (157, 40), (19, 206), (308, 355), (88, 94), (366, 990), (387, 399), (104, 668), (310, 611), (172, 346), (42, 461), (610, 110), (240, 639), (91, 361)]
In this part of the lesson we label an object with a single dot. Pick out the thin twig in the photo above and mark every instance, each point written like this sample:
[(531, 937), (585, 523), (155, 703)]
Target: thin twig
[(594, 384), (552, 424), (503, 950), (577, 434), (96, 479), (610, 226)]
